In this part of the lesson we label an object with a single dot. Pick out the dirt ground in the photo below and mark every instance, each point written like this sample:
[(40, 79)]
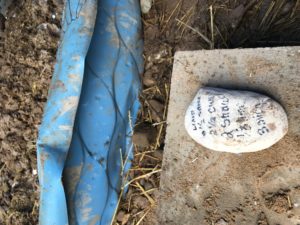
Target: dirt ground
[(28, 42)]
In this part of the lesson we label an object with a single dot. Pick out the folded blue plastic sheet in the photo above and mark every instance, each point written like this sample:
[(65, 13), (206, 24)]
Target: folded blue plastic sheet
[(84, 147)]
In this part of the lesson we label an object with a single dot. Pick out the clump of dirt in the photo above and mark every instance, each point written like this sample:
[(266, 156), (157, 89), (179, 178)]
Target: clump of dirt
[(279, 202), (28, 41)]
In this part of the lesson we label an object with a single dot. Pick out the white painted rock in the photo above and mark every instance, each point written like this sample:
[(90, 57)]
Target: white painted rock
[(146, 5), (235, 121)]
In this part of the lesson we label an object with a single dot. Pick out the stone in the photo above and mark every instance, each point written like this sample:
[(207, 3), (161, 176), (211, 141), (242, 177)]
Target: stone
[(146, 6), (157, 110), (148, 81), (201, 186), (123, 217), (235, 121), (221, 222)]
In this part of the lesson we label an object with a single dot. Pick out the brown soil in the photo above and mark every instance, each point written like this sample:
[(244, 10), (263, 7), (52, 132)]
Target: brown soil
[(28, 43)]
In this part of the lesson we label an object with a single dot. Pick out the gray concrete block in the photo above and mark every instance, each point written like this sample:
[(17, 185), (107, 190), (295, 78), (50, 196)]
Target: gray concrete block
[(200, 186)]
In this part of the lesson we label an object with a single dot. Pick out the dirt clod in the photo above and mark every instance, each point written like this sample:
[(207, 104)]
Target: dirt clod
[(141, 139), (279, 202)]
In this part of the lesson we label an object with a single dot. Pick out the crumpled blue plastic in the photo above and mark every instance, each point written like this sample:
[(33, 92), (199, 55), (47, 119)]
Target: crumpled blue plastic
[(84, 147)]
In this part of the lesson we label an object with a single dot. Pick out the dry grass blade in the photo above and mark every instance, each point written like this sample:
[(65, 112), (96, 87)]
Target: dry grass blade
[(222, 37), (277, 8), (122, 189), (122, 163), (2, 167), (143, 217), (148, 90), (167, 90), (296, 7), (141, 177), (157, 143), (186, 18), (141, 153), (130, 122), (151, 157), (196, 31), (172, 13), (161, 126), (159, 123), (116, 210), (142, 157), (141, 169), (152, 202), (266, 16), (289, 202), (212, 27)]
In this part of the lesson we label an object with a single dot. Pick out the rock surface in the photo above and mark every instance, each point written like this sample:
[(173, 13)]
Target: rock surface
[(235, 121)]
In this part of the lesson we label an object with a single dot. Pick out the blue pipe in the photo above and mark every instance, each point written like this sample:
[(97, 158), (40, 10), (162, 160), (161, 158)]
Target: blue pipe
[(84, 146)]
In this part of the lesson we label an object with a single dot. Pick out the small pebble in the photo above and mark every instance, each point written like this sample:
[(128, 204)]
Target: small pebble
[(221, 222), (235, 121), (146, 6), (157, 110), (122, 217), (34, 172), (148, 81)]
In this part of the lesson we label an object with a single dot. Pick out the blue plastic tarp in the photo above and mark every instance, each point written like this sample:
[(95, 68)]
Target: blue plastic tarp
[(84, 146)]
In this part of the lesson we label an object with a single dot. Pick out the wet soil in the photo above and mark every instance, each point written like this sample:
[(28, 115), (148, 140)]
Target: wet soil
[(28, 42)]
